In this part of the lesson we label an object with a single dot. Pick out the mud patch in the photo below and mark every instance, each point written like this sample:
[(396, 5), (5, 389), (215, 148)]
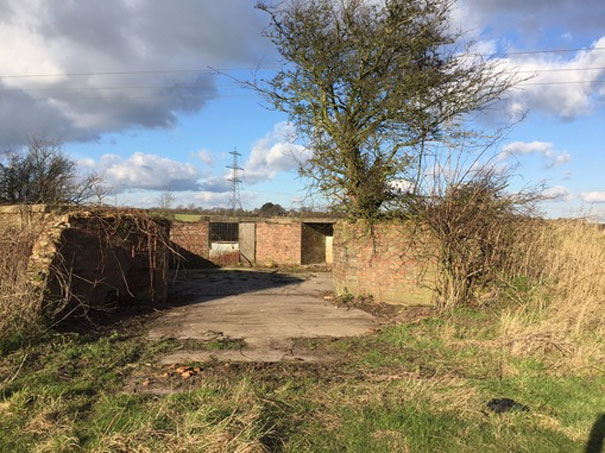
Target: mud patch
[(163, 379), (385, 313), (260, 355)]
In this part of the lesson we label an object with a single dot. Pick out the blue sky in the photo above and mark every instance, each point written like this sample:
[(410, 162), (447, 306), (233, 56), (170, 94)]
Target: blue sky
[(126, 85)]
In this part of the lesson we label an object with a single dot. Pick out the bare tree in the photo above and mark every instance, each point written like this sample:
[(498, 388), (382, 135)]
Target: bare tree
[(165, 200), (366, 85), (44, 174)]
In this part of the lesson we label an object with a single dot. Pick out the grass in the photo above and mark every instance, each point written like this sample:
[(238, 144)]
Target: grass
[(187, 217), (418, 386)]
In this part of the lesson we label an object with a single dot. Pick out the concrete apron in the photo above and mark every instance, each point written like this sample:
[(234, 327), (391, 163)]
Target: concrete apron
[(265, 310)]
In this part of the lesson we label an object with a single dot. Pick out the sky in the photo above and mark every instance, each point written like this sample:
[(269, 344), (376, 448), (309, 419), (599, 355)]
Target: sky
[(143, 92)]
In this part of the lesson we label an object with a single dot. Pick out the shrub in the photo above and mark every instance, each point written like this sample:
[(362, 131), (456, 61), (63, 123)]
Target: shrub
[(474, 225)]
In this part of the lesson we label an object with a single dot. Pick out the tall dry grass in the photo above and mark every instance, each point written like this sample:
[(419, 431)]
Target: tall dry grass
[(563, 303), (574, 263), (19, 304)]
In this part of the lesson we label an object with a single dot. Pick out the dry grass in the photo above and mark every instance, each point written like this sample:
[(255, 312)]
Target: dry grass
[(563, 305), (19, 304), (240, 431), (573, 259)]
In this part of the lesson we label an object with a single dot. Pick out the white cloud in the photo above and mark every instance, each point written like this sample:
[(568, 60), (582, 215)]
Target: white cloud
[(147, 171), (220, 199), (562, 158), (86, 163), (565, 88), (401, 186), (528, 148), (533, 18), (93, 39), (273, 153), (557, 193), (215, 184), (204, 156), (593, 197), (565, 85), (213, 198), (546, 149)]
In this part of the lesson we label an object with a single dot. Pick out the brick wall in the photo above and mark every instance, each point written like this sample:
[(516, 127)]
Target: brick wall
[(105, 259), (95, 258), (386, 266), (224, 253), (26, 215), (278, 242), (191, 239)]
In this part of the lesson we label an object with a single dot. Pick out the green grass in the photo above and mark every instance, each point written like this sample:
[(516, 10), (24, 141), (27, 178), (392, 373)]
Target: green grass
[(187, 217), (420, 386)]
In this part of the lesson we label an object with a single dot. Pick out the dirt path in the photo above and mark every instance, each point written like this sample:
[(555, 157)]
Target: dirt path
[(265, 310)]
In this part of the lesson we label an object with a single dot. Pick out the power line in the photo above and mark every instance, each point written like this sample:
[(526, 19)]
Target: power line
[(599, 68), (193, 87), (117, 87), (530, 52), (197, 86), (177, 88), (138, 72), (211, 97), (142, 98), (569, 82), (260, 68)]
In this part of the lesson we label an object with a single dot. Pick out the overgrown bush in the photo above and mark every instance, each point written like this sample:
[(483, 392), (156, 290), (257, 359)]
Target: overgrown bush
[(474, 227)]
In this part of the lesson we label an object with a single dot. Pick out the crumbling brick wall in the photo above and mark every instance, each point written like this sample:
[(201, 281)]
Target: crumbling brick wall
[(94, 258), (192, 242), (106, 259), (25, 216), (384, 262), (278, 242)]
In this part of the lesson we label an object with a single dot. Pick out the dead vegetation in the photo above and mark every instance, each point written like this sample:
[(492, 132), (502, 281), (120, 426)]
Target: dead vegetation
[(559, 299), (474, 227), (47, 295), (19, 302)]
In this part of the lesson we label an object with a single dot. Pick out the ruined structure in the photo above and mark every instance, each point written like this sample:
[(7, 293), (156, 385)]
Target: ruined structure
[(264, 242), (94, 258), (384, 262)]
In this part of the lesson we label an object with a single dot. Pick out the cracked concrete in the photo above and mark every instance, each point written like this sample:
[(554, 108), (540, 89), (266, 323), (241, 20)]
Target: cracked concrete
[(266, 310)]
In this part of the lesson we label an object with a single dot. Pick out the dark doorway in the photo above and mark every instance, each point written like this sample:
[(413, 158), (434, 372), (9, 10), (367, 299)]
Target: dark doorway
[(317, 243)]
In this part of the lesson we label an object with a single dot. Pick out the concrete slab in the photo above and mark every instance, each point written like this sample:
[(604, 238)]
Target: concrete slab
[(266, 310)]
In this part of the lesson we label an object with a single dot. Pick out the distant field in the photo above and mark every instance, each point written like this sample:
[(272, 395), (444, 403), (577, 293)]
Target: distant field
[(187, 217)]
